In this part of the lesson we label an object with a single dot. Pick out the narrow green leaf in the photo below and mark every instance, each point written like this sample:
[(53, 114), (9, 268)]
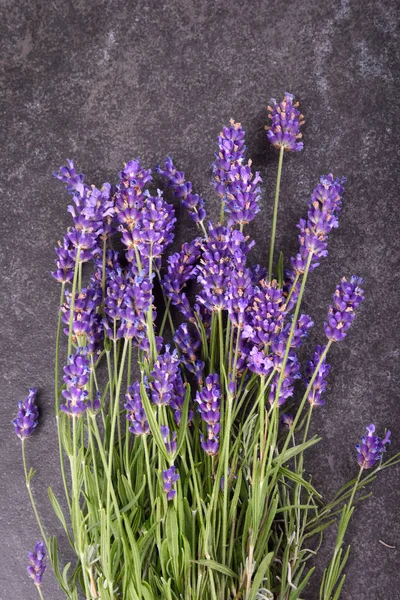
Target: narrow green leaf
[(215, 566), (260, 574)]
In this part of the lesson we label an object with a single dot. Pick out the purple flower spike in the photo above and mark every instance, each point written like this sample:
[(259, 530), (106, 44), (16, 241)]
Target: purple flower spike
[(27, 417), (193, 203), (135, 411), (76, 378), (74, 182), (371, 448), (322, 216), (209, 401), (284, 130), (319, 385), (164, 374), (37, 563), (170, 477), (346, 299), (234, 180)]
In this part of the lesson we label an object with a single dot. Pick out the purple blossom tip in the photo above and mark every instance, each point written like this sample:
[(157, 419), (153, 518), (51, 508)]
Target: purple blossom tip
[(286, 120), (371, 448), (37, 563), (170, 477), (27, 417), (346, 299)]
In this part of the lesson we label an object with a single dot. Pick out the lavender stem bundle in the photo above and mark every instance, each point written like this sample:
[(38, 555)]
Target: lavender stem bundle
[(183, 428)]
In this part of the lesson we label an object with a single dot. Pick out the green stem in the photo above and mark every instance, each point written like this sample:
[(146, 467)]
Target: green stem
[(28, 485), (275, 215), (72, 301), (57, 400), (39, 592), (148, 470)]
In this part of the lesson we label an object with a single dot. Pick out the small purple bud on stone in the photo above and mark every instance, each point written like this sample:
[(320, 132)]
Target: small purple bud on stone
[(27, 418), (37, 563), (371, 448)]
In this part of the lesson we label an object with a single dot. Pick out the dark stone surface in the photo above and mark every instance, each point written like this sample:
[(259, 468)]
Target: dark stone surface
[(102, 82)]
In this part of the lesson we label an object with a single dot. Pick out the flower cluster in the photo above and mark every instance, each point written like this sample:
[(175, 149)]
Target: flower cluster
[(346, 299), (86, 319), (183, 191), (371, 448), (170, 477), (322, 216), (209, 402), (76, 377), (37, 563), (234, 180), (189, 344), (27, 417), (319, 384), (181, 268), (135, 411), (92, 213), (165, 378), (126, 305), (146, 222), (286, 121), (222, 253)]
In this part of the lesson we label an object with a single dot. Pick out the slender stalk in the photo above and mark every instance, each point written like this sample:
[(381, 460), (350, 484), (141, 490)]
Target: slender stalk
[(72, 301), (28, 486), (148, 469), (57, 400), (40, 592), (275, 215)]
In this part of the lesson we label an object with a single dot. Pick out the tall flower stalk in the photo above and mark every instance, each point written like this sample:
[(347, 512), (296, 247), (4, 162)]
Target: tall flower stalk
[(183, 470)]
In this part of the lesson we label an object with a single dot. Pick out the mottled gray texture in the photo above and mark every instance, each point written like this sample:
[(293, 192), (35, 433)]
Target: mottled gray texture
[(101, 82)]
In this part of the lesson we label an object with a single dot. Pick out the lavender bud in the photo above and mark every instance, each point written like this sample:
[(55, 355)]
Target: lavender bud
[(284, 130), (37, 563), (371, 448), (170, 477), (27, 417), (346, 299)]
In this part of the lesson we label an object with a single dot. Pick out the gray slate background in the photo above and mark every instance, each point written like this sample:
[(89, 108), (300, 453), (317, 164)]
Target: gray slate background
[(102, 82)]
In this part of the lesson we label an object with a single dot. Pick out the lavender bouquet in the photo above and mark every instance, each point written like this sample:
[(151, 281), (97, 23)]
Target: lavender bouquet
[(182, 429)]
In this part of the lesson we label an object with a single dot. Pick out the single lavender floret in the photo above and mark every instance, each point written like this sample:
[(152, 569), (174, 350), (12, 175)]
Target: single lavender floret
[(287, 420), (371, 448), (183, 191), (37, 563), (209, 401), (135, 411), (346, 299), (170, 477), (286, 121), (169, 441), (28, 414), (319, 385)]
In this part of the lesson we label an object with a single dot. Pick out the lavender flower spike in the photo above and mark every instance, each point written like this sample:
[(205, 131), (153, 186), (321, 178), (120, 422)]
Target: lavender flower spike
[(286, 122), (27, 417), (319, 385), (209, 400), (37, 563), (371, 448), (346, 299), (170, 477)]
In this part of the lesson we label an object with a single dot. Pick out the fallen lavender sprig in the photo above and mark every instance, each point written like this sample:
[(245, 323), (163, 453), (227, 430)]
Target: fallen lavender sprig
[(188, 480)]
